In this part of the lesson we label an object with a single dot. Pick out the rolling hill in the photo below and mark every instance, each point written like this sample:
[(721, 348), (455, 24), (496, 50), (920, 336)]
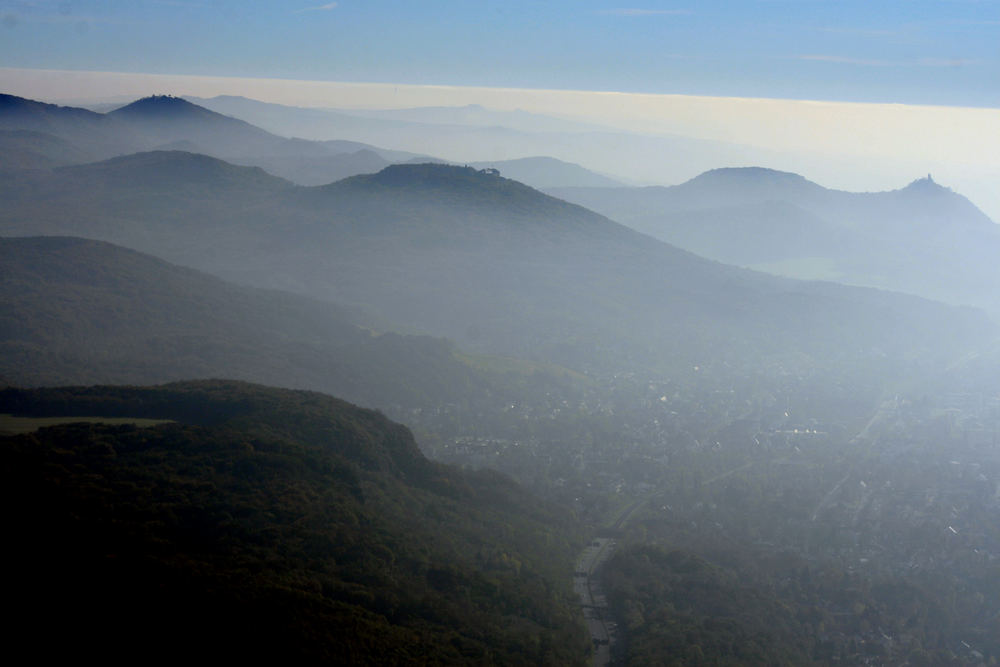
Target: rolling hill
[(162, 122), (218, 127), (97, 135), (481, 259), (266, 524), (28, 149), (922, 239), (546, 172), (75, 311)]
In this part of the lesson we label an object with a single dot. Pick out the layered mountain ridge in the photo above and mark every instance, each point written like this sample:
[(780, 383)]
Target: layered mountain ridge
[(767, 432), (923, 238), (465, 254), (76, 311), (164, 122)]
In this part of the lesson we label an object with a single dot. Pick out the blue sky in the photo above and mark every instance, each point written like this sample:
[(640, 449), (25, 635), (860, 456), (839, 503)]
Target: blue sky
[(944, 52)]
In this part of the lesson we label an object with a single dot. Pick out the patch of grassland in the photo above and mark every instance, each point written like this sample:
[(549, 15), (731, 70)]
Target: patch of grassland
[(11, 425)]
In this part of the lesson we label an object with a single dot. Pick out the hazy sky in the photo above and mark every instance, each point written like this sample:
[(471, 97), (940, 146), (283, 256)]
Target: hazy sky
[(944, 52)]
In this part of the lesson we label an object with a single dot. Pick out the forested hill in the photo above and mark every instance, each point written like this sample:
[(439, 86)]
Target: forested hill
[(488, 262), (467, 205), (274, 525), (194, 172), (79, 311), (922, 239), (83, 133)]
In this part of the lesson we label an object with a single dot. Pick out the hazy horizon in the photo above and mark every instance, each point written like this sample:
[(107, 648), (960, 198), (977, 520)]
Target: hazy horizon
[(852, 146), (850, 95)]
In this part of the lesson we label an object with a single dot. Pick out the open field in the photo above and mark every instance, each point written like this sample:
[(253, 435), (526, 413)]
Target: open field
[(11, 425)]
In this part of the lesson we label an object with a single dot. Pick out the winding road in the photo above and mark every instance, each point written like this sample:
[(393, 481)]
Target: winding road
[(587, 585)]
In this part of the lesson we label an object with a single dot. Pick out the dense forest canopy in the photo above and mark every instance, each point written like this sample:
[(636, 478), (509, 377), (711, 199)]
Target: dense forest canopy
[(271, 524)]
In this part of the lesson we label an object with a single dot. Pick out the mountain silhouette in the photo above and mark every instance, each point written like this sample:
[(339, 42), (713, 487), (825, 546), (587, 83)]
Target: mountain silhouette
[(923, 239)]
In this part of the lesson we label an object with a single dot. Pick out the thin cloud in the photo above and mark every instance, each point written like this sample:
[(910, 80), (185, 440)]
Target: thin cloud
[(319, 8), (645, 12)]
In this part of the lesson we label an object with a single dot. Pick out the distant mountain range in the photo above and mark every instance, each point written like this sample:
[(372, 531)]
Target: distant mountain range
[(478, 258), (474, 134), (74, 136), (476, 115), (922, 239), (67, 135), (547, 172), (320, 123), (83, 133)]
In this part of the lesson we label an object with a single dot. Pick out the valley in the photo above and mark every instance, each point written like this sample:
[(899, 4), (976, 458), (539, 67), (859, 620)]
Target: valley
[(582, 437)]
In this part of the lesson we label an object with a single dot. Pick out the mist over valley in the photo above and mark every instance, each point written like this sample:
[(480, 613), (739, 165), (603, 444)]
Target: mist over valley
[(398, 378)]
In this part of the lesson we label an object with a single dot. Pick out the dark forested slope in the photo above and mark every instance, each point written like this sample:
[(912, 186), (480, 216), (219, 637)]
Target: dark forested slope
[(269, 525)]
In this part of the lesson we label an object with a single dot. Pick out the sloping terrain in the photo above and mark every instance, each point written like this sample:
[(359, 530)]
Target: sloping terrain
[(269, 525), (481, 259), (97, 135), (547, 172), (80, 311), (475, 257), (922, 239), (67, 135), (27, 149)]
